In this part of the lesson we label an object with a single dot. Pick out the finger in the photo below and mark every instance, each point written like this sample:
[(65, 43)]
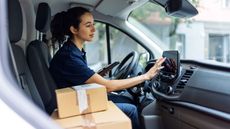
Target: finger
[(161, 60), (160, 68)]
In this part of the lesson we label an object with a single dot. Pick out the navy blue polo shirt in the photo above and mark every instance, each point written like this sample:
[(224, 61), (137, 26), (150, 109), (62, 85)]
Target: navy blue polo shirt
[(69, 66)]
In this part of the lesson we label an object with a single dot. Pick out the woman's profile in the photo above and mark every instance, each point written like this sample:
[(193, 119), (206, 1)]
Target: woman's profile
[(69, 66)]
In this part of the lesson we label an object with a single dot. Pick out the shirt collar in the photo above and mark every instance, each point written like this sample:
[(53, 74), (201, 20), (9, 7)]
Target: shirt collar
[(79, 52)]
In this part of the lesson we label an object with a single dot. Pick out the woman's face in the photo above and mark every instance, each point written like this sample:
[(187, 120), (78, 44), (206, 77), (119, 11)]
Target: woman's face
[(86, 28)]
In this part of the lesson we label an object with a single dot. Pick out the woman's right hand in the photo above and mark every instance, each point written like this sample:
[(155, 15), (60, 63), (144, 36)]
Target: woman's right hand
[(155, 69)]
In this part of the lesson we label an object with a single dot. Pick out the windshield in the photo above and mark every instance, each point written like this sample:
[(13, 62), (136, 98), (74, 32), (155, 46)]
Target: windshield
[(204, 37)]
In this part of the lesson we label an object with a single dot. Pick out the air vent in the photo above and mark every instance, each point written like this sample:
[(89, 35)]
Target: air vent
[(184, 79)]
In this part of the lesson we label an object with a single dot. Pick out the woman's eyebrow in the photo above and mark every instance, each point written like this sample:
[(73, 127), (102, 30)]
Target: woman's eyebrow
[(87, 23)]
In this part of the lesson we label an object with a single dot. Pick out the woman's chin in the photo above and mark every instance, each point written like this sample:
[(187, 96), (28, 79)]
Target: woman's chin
[(89, 40)]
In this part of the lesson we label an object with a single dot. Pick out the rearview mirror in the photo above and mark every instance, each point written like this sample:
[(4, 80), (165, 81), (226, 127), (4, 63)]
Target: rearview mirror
[(180, 8)]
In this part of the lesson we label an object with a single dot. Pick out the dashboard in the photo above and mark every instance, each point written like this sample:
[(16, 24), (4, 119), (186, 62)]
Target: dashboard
[(198, 86)]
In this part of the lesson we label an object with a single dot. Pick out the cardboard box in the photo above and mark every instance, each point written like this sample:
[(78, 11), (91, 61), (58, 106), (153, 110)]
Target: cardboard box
[(81, 99), (112, 118)]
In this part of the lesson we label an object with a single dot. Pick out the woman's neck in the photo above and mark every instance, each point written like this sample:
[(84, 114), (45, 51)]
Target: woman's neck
[(78, 43)]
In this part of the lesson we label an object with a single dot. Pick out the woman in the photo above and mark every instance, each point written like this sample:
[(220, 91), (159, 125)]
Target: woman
[(69, 66)]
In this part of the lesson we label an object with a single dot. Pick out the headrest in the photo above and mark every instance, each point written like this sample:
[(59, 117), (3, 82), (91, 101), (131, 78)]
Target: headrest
[(43, 17), (15, 20)]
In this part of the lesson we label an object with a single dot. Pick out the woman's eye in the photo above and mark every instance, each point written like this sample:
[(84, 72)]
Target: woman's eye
[(90, 25)]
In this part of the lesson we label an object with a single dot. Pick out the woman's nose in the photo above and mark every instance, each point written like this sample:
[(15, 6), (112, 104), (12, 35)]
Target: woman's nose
[(93, 28)]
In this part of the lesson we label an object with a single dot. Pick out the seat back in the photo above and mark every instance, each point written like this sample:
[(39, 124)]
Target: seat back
[(24, 76), (38, 59)]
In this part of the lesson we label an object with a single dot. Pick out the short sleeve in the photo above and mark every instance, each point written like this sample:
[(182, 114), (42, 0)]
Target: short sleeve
[(76, 71), (68, 67)]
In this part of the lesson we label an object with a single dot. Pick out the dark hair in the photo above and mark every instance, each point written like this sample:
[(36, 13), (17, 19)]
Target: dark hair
[(62, 21)]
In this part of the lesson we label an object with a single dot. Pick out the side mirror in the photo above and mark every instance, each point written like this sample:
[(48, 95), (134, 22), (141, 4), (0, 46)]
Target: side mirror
[(180, 8)]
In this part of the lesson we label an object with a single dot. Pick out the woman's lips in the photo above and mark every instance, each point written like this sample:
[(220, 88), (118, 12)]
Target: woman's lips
[(92, 35)]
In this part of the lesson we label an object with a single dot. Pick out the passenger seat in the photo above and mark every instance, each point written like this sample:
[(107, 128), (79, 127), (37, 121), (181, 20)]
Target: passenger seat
[(38, 57), (22, 71)]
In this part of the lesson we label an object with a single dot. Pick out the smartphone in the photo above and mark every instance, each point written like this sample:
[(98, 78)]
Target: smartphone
[(107, 68)]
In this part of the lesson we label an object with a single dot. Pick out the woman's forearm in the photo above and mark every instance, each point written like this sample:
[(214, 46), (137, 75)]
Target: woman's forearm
[(114, 85)]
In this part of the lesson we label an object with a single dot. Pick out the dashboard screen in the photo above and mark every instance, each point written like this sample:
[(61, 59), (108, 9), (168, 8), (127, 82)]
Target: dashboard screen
[(171, 65)]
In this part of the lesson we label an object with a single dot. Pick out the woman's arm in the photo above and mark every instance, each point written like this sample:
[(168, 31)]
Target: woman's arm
[(114, 85)]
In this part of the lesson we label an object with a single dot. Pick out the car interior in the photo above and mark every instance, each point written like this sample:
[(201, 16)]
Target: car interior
[(186, 94)]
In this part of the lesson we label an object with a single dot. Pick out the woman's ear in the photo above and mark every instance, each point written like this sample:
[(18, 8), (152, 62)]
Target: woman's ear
[(73, 30)]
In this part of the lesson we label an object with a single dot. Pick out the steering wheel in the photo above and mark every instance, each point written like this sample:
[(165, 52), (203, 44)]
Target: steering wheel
[(124, 68)]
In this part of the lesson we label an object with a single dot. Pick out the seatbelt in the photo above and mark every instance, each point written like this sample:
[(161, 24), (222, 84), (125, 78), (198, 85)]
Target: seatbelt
[(13, 62), (20, 77)]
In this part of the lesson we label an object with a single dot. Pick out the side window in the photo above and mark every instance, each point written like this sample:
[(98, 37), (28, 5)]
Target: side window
[(96, 50), (122, 45)]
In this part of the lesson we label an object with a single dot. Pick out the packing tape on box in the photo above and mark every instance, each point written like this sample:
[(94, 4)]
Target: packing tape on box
[(82, 98), (88, 121)]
